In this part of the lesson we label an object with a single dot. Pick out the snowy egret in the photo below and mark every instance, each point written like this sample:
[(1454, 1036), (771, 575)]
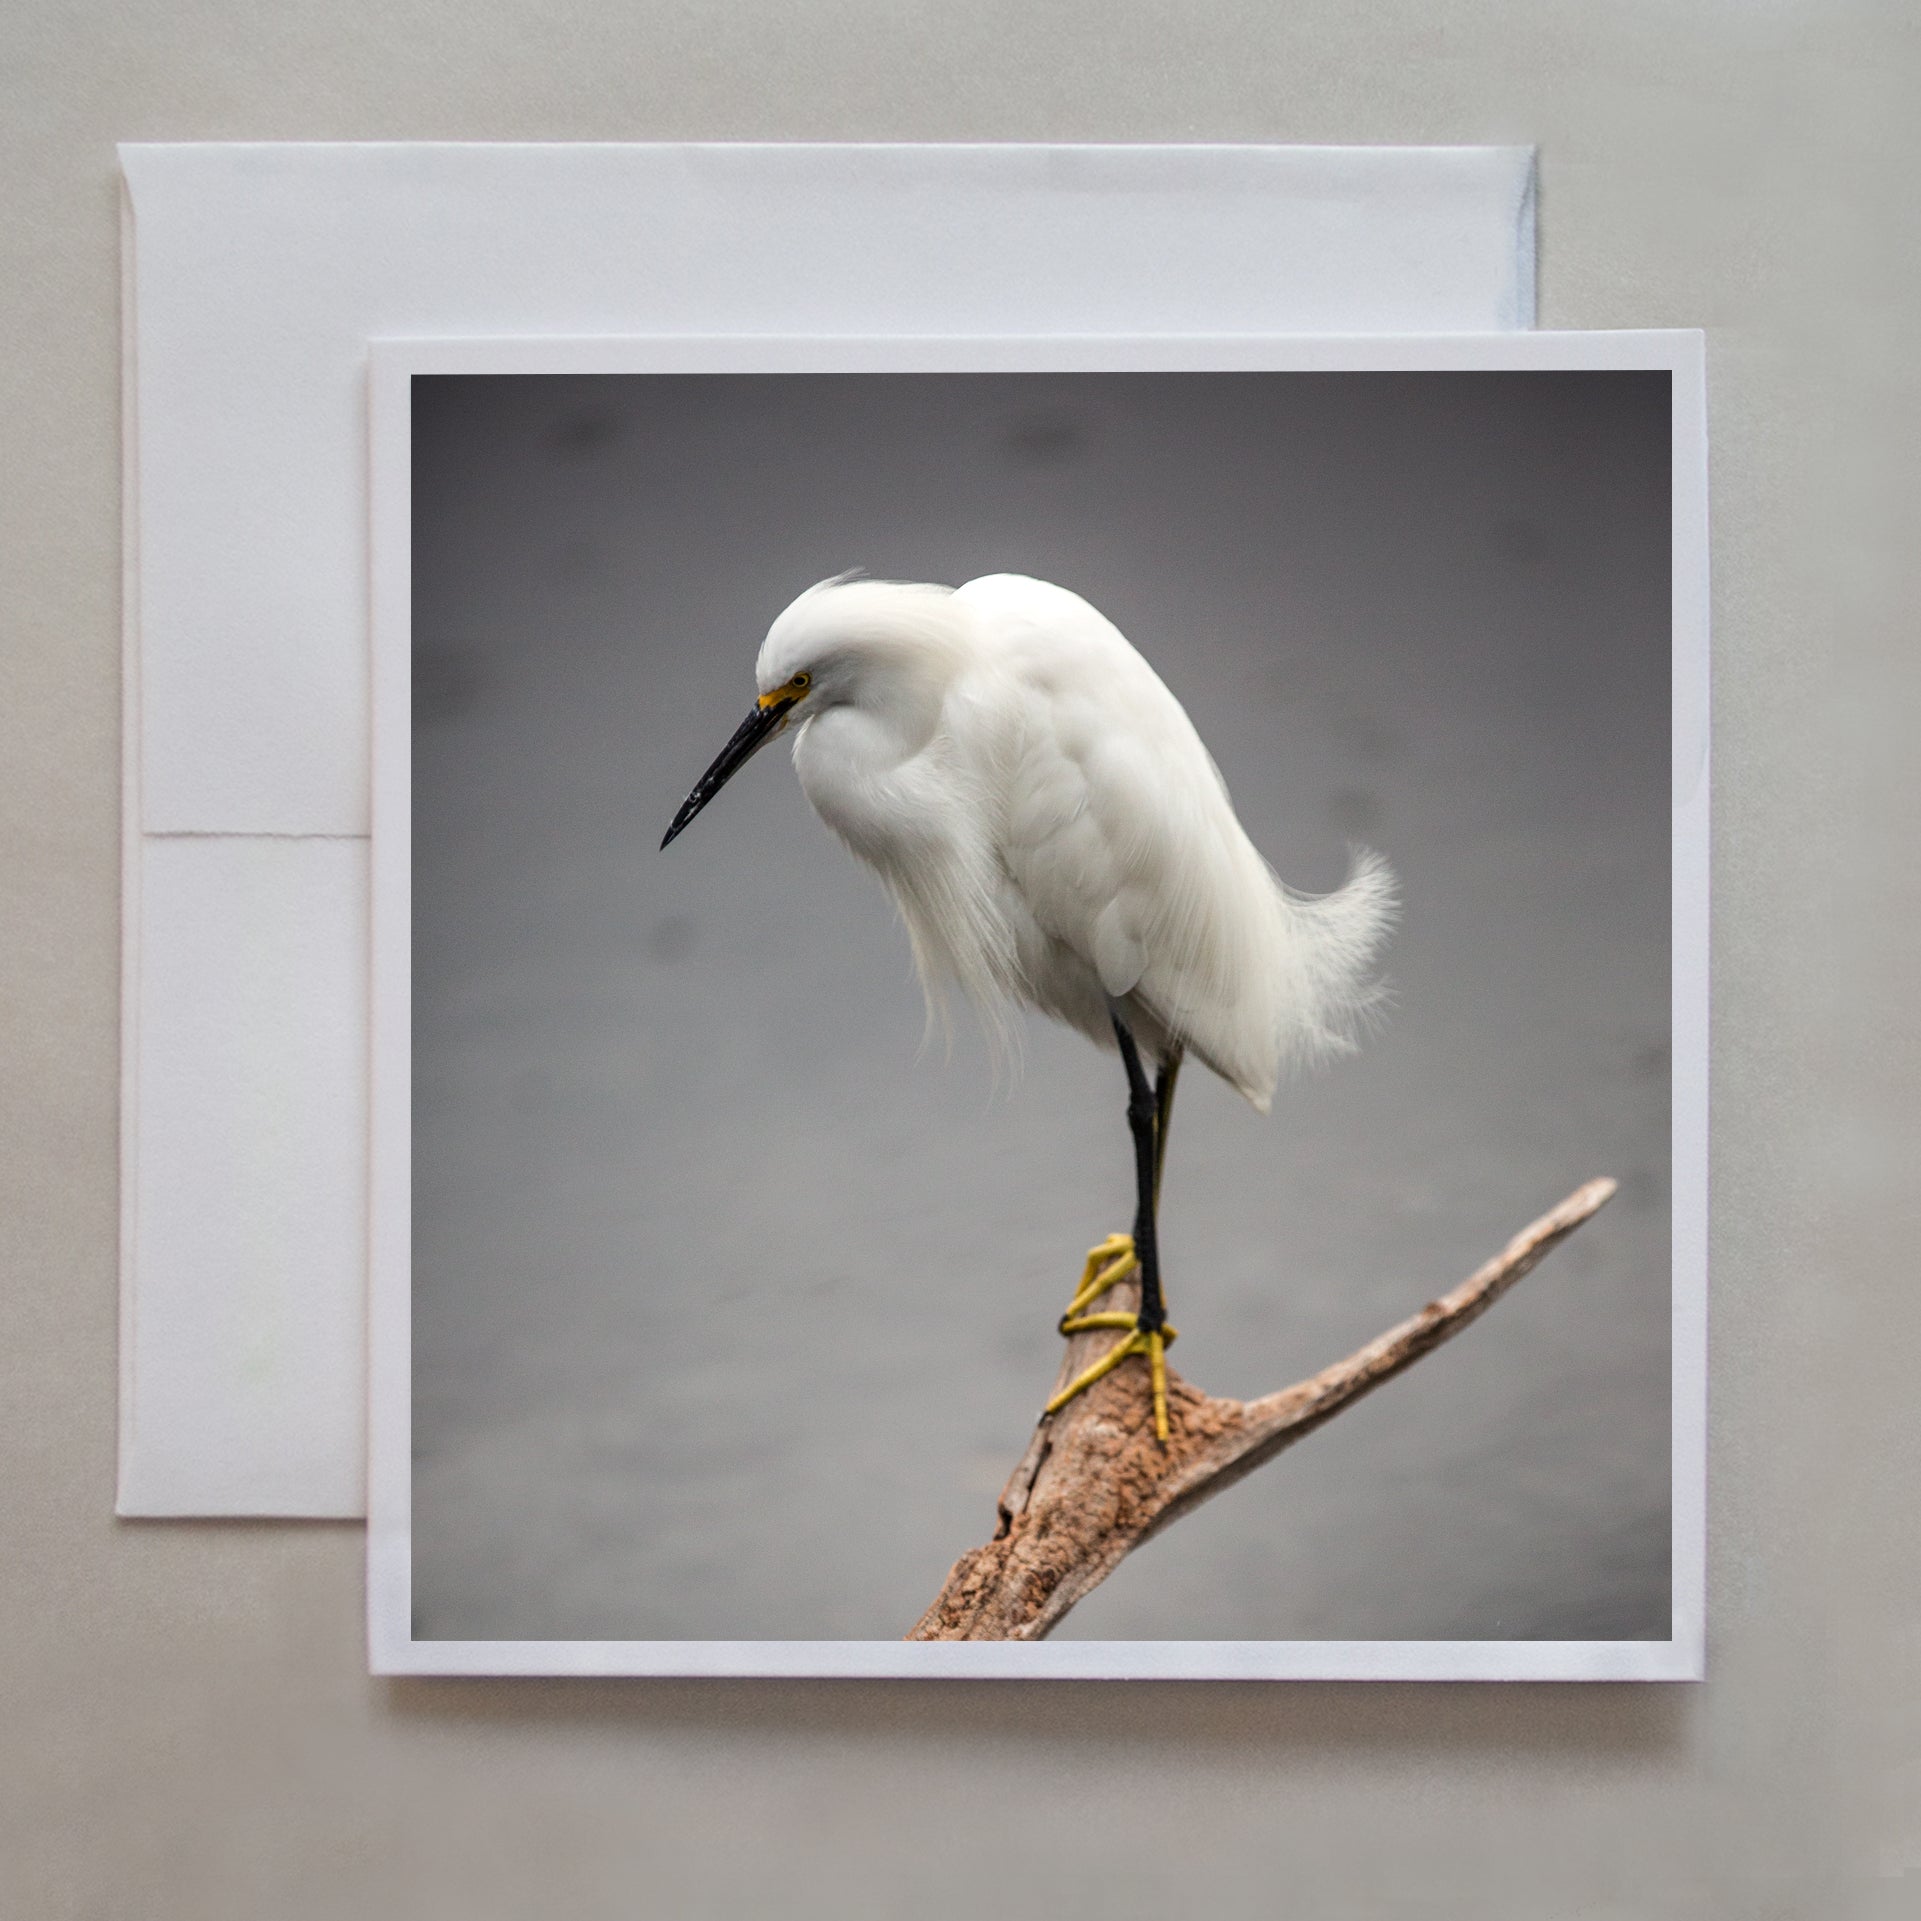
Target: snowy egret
[(1055, 834)]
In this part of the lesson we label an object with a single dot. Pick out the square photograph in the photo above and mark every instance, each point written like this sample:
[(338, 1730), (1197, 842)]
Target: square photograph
[(782, 1232)]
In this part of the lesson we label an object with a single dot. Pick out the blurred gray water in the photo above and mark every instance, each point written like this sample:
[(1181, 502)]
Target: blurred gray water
[(733, 1307)]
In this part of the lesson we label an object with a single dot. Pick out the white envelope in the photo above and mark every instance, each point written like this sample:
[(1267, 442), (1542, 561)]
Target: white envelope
[(254, 277)]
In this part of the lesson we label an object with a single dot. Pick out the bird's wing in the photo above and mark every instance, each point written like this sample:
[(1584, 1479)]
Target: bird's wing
[(1118, 834)]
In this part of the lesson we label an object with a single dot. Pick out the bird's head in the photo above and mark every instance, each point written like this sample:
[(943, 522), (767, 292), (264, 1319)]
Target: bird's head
[(883, 644)]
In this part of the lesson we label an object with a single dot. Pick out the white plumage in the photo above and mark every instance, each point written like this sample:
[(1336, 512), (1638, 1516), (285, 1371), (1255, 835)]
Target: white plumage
[(1056, 835), (1053, 829)]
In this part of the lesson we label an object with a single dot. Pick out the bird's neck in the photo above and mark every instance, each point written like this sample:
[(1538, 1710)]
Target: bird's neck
[(872, 764), (893, 702), (890, 721)]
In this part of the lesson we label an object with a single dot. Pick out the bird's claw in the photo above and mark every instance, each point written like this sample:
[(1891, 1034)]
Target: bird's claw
[(1109, 1263), (1150, 1341)]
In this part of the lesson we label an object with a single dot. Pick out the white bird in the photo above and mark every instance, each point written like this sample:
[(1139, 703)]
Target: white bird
[(1055, 835)]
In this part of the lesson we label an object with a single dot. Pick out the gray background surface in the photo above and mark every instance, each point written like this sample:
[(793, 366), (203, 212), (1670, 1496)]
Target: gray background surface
[(731, 1313), (187, 1722)]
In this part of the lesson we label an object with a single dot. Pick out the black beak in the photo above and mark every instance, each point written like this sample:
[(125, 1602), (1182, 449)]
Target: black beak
[(750, 736)]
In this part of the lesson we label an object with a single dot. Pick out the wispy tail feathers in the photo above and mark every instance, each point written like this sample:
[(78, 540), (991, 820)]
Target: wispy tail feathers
[(1335, 940)]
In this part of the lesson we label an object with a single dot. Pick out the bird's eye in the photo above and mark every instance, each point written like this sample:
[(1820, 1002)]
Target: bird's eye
[(801, 682)]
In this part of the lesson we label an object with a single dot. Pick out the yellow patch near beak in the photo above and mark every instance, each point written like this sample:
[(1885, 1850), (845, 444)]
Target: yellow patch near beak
[(786, 694)]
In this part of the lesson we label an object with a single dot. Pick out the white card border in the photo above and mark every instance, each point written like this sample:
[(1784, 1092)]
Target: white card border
[(391, 1645)]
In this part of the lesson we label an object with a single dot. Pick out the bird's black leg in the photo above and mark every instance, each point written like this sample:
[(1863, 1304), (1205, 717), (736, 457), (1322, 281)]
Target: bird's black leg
[(1170, 1072), (1145, 1331), (1143, 1120)]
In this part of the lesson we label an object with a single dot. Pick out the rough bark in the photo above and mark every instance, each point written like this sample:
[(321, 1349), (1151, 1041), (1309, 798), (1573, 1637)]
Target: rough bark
[(1095, 1482)]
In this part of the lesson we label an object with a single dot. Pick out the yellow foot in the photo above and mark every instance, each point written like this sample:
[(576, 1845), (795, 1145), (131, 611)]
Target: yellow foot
[(1151, 1341), (1107, 1264)]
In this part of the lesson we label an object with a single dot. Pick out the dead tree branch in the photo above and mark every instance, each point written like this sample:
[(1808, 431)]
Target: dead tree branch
[(1095, 1483)]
